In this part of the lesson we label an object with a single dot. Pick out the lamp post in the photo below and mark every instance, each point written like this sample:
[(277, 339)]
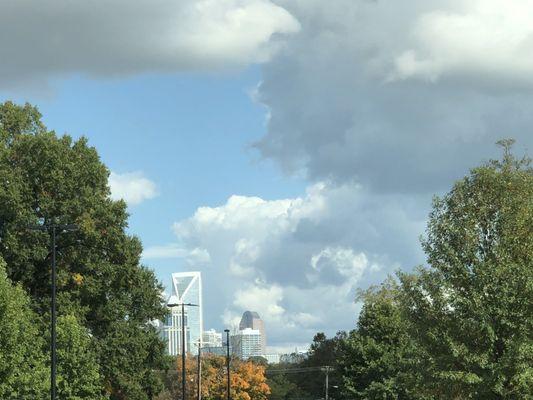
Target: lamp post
[(227, 362), (327, 370), (183, 374), (199, 371), (53, 229)]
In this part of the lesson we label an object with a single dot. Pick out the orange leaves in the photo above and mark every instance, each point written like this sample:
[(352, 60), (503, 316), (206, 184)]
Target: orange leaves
[(248, 380)]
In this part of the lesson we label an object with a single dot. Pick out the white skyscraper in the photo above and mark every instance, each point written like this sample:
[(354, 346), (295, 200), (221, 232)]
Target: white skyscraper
[(186, 288), (247, 343)]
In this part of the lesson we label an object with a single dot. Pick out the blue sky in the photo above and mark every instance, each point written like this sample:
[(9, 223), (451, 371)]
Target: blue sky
[(288, 149), (189, 133)]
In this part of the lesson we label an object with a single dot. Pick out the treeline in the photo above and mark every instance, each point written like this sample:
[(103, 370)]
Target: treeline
[(461, 328), (107, 348)]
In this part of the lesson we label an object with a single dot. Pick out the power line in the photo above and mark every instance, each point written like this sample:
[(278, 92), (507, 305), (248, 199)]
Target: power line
[(299, 369)]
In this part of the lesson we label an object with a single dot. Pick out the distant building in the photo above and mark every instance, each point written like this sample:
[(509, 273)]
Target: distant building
[(212, 338), (272, 358), (247, 343), (186, 288), (251, 320)]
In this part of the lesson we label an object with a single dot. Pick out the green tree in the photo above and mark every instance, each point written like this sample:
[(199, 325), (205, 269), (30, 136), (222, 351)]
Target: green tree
[(23, 371), (306, 379), (78, 369), (471, 311), (282, 388), (47, 178), (379, 357)]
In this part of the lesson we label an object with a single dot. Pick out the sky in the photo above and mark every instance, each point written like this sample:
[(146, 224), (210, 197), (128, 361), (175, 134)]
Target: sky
[(288, 149)]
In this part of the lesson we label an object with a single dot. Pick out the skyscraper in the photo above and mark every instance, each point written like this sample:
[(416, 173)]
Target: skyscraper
[(247, 343), (251, 319), (186, 288)]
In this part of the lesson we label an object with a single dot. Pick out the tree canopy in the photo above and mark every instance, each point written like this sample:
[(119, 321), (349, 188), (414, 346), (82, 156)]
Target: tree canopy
[(460, 328), (471, 310), (43, 178)]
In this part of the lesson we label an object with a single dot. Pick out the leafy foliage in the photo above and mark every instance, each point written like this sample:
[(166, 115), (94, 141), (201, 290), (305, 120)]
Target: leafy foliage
[(471, 311), (45, 178), (461, 328), (78, 369), (23, 371), (306, 379), (377, 358), (248, 381)]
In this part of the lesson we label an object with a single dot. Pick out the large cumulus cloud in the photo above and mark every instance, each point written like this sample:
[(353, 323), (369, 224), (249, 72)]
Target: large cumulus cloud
[(399, 96)]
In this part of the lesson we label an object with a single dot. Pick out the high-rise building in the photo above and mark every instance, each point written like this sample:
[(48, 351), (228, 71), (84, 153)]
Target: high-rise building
[(186, 288), (246, 343), (251, 319), (212, 338)]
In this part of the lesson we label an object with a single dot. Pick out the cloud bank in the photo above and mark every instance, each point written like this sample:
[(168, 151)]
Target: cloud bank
[(51, 38), (399, 96)]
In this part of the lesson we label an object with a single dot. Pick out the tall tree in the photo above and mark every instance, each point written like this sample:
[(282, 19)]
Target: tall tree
[(471, 311), (46, 178)]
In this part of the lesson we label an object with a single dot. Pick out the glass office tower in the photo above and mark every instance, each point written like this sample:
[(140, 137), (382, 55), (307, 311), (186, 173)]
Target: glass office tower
[(186, 288)]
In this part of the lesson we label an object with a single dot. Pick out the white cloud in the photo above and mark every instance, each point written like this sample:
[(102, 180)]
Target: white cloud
[(299, 261), (491, 38), (263, 299), (51, 38), (132, 187), (192, 256), (338, 263)]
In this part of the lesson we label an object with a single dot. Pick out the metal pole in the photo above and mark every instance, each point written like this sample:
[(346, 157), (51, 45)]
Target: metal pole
[(327, 382), (199, 397), (183, 386), (52, 228), (227, 362), (53, 312)]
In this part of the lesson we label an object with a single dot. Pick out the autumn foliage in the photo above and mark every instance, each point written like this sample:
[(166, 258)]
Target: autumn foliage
[(248, 380)]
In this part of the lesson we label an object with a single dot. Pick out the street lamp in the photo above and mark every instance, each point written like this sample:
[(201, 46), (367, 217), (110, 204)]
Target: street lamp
[(199, 370), (183, 375), (53, 229), (327, 369), (227, 361)]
